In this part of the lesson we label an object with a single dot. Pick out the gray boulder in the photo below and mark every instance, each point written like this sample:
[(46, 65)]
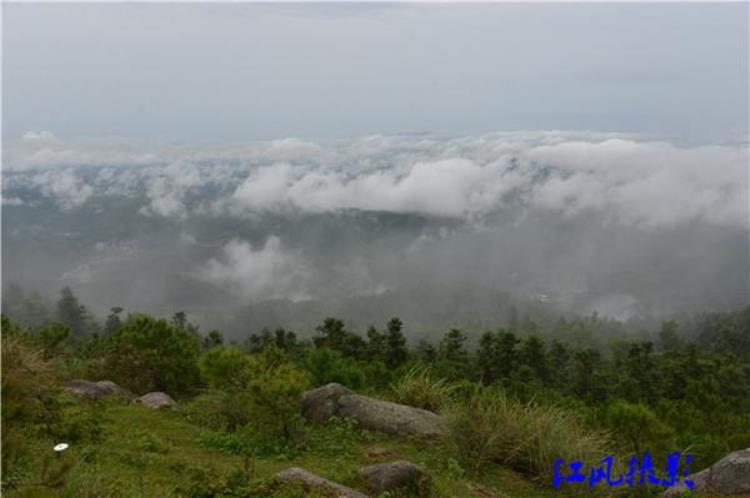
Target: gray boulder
[(156, 400), (383, 477), (308, 479), (318, 405), (95, 390), (392, 418), (728, 476)]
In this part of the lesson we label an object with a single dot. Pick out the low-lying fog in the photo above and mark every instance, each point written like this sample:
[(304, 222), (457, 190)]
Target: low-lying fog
[(436, 229)]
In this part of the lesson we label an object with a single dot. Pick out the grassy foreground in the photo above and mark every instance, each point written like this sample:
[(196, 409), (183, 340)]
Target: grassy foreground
[(148, 453)]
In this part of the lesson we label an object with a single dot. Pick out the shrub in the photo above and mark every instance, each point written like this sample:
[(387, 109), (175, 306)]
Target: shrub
[(52, 338), (275, 386), (489, 427), (225, 368), (327, 365), (78, 424), (219, 410), (148, 354), (418, 388), (256, 395), (637, 427)]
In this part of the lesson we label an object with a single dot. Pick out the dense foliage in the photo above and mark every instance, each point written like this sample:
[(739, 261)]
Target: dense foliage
[(146, 354), (512, 398)]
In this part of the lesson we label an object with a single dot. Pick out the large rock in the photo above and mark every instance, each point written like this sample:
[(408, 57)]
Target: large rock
[(156, 400), (296, 474), (383, 477), (729, 476), (390, 417), (95, 390), (318, 405)]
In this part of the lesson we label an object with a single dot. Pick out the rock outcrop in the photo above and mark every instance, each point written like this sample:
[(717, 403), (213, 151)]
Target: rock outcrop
[(318, 405), (387, 476), (728, 476), (308, 479), (156, 400), (95, 390)]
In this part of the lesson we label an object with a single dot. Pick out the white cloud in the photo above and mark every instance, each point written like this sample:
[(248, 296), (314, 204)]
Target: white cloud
[(646, 183), (625, 178), (12, 201), (167, 187), (268, 272), (64, 186), (39, 135)]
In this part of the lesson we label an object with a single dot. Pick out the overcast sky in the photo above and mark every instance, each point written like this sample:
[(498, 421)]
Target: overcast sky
[(242, 72)]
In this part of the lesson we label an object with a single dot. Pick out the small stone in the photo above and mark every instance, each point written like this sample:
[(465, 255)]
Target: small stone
[(156, 400), (383, 477), (297, 474), (95, 390)]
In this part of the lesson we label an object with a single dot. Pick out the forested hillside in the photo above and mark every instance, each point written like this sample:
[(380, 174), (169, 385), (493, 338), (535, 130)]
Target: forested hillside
[(514, 402)]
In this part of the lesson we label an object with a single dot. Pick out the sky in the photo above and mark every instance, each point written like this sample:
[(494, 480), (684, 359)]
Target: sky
[(234, 73)]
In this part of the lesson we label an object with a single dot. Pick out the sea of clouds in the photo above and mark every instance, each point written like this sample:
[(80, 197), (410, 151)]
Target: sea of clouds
[(629, 180), (477, 190)]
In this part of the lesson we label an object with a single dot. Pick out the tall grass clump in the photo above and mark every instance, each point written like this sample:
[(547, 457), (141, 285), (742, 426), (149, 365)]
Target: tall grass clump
[(29, 405), (419, 388), (488, 426)]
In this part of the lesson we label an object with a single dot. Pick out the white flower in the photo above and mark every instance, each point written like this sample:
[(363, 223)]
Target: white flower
[(61, 447)]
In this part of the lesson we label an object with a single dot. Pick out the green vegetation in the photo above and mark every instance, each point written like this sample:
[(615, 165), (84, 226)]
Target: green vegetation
[(514, 403), (145, 354), (490, 427), (418, 387)]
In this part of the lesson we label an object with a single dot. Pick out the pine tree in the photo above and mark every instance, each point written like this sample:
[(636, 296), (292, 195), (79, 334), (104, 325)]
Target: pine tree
[(587, 379), (453, 358), (335, 336), (670, 340), (534, 356), (376, 344), (113, 320), (507, 355), (487, 358), (213, 339), (396, 344), (559, 356), (73, 314), (426, 352)]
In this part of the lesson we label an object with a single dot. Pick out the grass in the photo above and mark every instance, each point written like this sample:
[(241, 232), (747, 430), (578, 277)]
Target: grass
[(419, 388), (489, 427), (146, 453)]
